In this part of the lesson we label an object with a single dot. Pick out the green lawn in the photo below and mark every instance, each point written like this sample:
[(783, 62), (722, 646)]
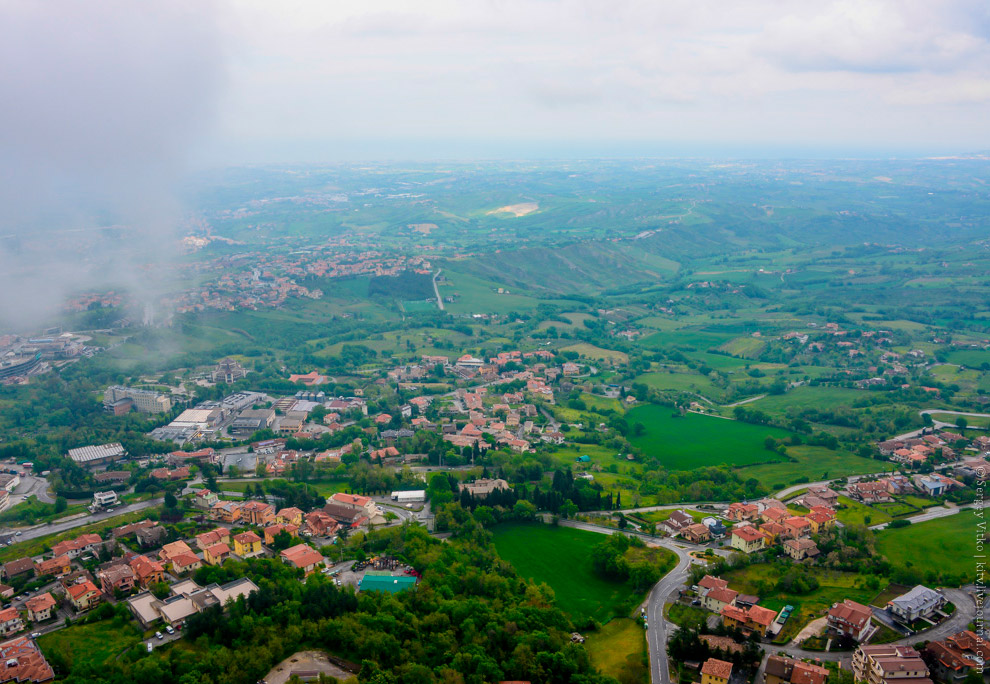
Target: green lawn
[(936, 551), (834, 587), (694, 441), (561, 557), (618, 649), (94, 643), (812, 462), (852, 512)]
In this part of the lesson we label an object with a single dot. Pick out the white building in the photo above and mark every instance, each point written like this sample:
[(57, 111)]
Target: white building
[(145, 401), (414, 496), (104, 499)]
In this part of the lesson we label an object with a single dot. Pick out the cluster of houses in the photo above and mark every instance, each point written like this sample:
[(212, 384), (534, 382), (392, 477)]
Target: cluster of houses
[(163, 561), (768, 522), (737, 610), (949, 660), (885, 489)]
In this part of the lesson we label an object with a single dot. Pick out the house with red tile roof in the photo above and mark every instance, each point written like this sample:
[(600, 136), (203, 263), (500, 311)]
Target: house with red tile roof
[(850, 619), (83, 596), (39, 608), (715, 671), (10, 621), (303, 557)]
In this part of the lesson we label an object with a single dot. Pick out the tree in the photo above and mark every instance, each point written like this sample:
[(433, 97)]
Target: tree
[(282, 541), (60, 504), (170, 500), (961, 423)]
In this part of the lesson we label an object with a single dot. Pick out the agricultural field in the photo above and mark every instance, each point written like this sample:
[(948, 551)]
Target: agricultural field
[(579, 590), (951, 540), (618, 649), (693, 441)]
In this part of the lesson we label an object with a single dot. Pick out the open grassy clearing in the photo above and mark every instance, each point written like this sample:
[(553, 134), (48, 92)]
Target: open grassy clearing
[(814, 463), (618, 649), (693, 441), (852, 512), (946, 545), (93, 644), (681, 382), (567, 570), (590, 351)]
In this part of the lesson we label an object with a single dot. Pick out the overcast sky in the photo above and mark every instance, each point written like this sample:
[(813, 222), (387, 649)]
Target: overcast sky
[(315, 77)]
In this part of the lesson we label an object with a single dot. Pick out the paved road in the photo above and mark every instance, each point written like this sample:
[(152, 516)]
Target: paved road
[(931, 514), (659, 628), (87, 519), (436, 290)]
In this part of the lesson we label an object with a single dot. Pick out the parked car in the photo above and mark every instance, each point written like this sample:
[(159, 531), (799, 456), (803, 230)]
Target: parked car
[(159, 635), (169, 629), (35, 635), (150, 647)]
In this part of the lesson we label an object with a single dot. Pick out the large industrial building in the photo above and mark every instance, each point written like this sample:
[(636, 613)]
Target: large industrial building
[(119, 400), (92, 456)]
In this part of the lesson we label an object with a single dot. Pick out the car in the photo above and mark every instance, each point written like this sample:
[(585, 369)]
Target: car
[(17, 534), (169, 629), (159, 635), (696, 602), (151, 647), (35, 635)]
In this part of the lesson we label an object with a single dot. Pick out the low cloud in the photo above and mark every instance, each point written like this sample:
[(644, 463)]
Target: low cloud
[(103, 104)]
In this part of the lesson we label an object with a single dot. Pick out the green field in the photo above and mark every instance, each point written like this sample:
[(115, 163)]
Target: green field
[(834, 587), (618, 649), (590, 351), (94, 643), (941, 550), (851, 512), (560, 557), (814, 463), (694, 441)]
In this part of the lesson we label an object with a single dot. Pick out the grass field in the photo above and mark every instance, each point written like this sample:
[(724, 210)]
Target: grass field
[(618, 649), (943, 546), (852, 512), (93, 644), (682, 382), (814, 463), (834, 587), (567, 569), (590, 351), (694, 441)]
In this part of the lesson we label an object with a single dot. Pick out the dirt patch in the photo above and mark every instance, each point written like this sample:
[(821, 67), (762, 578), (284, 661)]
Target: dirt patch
[(423, 228), (516, 210), (309, 662), (813, 628)]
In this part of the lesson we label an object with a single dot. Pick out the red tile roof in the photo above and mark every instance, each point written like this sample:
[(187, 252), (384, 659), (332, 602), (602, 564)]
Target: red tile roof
[(717, 668)]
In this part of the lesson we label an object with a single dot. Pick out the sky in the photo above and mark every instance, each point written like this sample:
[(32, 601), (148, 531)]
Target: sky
[(436, 77)]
